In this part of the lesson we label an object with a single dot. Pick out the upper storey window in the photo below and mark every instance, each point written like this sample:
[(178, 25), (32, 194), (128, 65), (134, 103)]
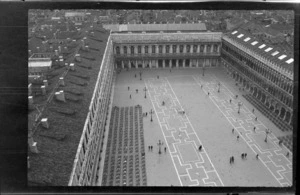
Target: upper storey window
[(139, 49), (208, 48), (174, 48), (160, 48), (195, 48), (146, 49), (201, 48), (153, 48), (125, 50), (132, 49), (188, 48), (118, 50), (181, 48), (215, 48), (167, 48)]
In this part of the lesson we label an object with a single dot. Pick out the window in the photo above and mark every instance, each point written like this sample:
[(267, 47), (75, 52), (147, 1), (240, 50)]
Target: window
[(139, 49), (208, 48), (174, 48), (215, 48), (153, 48), (188, 48), (125, 50), (132, 49), (118, 50), (146, 49), (167, 48), (160, 48), (195, 48), (201, 48), (181, 48)]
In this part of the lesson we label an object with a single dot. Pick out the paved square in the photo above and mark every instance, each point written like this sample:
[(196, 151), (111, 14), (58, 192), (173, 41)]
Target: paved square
[(188, 153), (259, 140)]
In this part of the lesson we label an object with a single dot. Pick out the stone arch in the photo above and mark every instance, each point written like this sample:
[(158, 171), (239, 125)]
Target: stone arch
[(268, 104), (259, 94), (282, 112), (263, 98), (288, 116), (117, 50), (272, 107), (254, 91), (277, 108)]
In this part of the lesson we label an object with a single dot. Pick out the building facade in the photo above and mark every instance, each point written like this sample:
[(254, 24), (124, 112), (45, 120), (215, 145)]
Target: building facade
[(166, 50), (262, 70)]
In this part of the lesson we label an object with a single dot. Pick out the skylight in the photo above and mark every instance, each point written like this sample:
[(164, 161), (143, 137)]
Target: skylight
[(262, 46), (234, 32), (269, 49), (282, 57), (290, 61), (241, 35), (275, 53), (247, 39), (254, 43)]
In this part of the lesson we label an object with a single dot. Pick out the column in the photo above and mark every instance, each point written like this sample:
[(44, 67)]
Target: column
[(290, 121), (177, 49), (129, 63), (164, 49), (284, 116), (183, 63), (121, 50), (177, 65), (204, 51), (171, 48), (212, 48), (184, 48), (156, 63), (198, 48), (164, 65), (150, 64), (197, 63), (156, 49), (143, 49), (136, 64), (122, 64)]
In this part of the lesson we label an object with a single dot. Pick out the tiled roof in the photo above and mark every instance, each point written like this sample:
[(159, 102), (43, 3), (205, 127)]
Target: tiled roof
[(265, 50)]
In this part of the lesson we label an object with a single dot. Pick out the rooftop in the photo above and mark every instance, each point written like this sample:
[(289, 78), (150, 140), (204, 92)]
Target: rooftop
[(156, 27), (267, 51)]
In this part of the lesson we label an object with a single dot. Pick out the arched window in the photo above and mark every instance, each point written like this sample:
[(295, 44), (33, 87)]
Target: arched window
[(118, 50), (195, 48), (215, 48), (153, 48), (146, 49), (132, 49), (139, 49), (201, 48), (181, 48), (160, 48), (208, 48), (125, 50), (167, 48), (174, 48), (188, 48)]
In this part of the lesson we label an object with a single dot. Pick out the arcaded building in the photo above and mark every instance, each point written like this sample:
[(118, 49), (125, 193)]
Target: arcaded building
[(263, 70)]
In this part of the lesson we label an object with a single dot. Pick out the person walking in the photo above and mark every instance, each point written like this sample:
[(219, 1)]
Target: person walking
[(242, 156), (288, 154), (208, 93), (146, 114), (200, 147), (128, 88), (255, 118), (233, 130), (135, 75), (130, 96), (165, 149), (254, 128), (230, 100), (149, 148), (245, 155), (257, 156), (136, 90), (237, 138)]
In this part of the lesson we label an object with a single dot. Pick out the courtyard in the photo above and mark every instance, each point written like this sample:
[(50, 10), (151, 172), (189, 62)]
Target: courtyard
[(202, 109)]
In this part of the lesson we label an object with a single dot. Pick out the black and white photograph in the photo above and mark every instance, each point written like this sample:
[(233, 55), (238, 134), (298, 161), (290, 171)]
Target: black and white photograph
[(154, 98)]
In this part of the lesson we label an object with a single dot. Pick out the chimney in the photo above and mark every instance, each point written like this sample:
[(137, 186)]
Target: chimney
[(43, 88), (30, 100), (45, 83), (72, 66), (60, 96), (45, 123), (33, 148), (61, 81), (30, 89)]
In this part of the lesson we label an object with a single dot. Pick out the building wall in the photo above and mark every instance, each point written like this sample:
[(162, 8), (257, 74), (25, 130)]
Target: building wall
[(88, 156), (269, 86)]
